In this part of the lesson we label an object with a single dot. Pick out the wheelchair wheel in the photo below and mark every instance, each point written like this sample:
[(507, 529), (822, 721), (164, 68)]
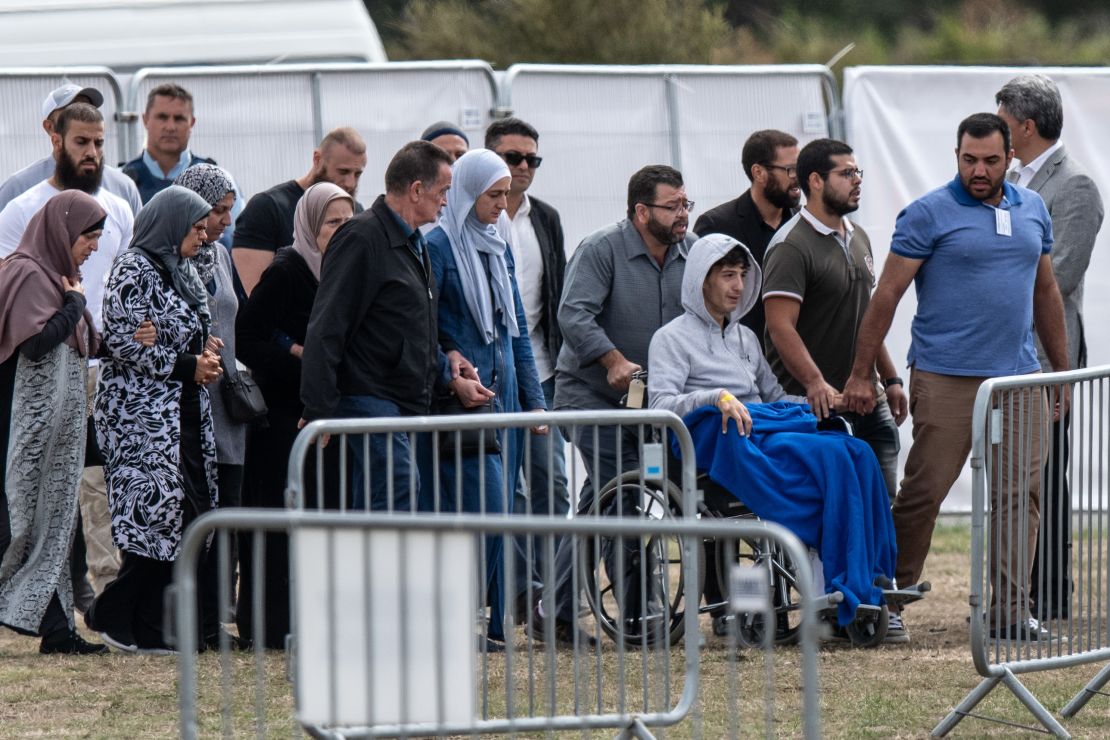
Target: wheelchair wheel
[(635, 586), (785, 600)]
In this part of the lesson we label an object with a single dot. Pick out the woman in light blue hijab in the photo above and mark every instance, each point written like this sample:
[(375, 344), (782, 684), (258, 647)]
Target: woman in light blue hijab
[(481, 316)]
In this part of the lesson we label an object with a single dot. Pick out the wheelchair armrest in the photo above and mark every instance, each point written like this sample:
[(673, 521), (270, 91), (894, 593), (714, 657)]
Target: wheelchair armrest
[(835, 424)]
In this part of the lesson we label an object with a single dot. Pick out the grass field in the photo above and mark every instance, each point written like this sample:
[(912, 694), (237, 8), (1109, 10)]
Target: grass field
[(890, 691)]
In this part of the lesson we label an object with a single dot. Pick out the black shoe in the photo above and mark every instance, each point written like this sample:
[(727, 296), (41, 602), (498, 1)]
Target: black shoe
[(68, 642), (565, 632), (490, 645), (522, 609)]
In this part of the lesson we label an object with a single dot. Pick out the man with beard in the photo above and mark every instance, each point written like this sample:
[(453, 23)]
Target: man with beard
[(977, 250), (266, 224), (622, 283), (114, 180), (818, 276), (770, 160), (78, 139)]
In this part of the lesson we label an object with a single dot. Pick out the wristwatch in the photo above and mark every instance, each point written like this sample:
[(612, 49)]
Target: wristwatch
[(892, 381)]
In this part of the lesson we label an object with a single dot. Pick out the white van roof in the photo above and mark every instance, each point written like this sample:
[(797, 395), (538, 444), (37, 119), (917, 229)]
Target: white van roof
[(128, 34)]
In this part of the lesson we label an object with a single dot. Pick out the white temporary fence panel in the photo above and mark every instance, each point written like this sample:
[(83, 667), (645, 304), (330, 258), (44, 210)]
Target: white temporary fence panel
[(22, 93), (599, 124), (372, 595), (262, 122), (902, 122)]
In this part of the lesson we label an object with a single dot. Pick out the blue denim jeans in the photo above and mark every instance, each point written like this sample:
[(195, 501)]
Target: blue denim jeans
[(385, 492), (545, 486)]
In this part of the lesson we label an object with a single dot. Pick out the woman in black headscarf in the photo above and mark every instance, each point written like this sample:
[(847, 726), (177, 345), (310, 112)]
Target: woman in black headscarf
[(46, 336), (153, 417)]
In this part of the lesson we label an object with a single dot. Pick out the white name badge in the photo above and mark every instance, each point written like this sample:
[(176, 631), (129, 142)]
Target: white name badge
[(1002, 222)]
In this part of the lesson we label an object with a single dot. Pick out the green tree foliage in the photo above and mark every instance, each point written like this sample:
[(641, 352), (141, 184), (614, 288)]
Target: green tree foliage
[(1066, 32), (563, 31), (973, 32)]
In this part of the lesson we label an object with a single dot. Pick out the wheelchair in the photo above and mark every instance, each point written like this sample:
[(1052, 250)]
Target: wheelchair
[(635, 587)]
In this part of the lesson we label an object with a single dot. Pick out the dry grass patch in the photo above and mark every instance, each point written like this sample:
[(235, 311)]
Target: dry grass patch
[(890, 691)]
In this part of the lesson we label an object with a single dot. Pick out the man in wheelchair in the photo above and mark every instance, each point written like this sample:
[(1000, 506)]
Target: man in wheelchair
[(762, 445)]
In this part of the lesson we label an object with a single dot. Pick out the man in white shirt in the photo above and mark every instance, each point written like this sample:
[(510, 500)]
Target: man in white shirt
[(78, 140), (536, 239), (114, 180), (1031, 106)]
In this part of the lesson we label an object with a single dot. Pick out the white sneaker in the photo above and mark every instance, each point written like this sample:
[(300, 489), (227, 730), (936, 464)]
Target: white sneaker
[(895, 630), (120, 645)]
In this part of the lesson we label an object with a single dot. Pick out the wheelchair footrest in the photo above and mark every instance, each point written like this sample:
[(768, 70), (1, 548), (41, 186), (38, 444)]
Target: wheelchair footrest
[(908, 595), (867, 613)]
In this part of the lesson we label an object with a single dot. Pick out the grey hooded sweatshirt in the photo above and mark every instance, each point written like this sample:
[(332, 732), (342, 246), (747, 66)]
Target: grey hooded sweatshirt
[(693, 358)]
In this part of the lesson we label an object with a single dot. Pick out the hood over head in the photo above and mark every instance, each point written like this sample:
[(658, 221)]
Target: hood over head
[(706, 252)]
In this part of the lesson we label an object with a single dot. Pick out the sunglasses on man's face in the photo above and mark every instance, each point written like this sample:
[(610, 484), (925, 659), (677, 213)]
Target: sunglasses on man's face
[(515, 158)]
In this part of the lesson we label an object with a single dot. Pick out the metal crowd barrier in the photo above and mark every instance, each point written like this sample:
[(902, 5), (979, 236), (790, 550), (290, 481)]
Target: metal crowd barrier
[(1039, 540), (22, 91), (389, 617)]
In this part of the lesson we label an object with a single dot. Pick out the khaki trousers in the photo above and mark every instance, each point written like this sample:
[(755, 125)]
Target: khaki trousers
[(941, 406), (92, 496)]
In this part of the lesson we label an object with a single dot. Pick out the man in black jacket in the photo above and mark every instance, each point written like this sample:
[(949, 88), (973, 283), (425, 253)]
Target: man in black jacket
[(536, 238), (770, 159), (372, 347)]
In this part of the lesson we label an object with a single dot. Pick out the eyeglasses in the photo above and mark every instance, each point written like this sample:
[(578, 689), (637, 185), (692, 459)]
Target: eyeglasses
[(686, 205), (515, 158), (847, 174), (790, 171)]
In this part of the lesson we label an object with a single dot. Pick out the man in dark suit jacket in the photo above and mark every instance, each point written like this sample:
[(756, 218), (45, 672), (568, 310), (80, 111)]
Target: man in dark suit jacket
[(1030, 105), (535, 235), (769, 158)]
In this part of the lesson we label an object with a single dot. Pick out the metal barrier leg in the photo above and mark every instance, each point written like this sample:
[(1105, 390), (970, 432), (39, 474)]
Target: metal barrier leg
[(964, 708), (1010, 681), (1035, 707), (1086, 693), (635, 729)]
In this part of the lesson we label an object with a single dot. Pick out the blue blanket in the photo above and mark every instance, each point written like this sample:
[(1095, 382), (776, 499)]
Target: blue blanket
[(825, 487)]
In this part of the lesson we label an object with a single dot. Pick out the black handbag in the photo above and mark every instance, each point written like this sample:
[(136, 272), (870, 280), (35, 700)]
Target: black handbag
[(242, 396), (93, 457), (470, 441)]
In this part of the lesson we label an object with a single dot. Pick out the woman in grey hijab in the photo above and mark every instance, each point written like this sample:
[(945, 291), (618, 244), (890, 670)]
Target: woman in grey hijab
[(153, 417)]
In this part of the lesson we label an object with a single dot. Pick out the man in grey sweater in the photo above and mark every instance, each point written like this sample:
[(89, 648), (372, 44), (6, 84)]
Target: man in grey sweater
[(706, 357)]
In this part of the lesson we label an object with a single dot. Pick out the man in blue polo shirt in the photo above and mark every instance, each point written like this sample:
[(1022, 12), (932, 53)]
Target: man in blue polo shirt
[(977, 252)]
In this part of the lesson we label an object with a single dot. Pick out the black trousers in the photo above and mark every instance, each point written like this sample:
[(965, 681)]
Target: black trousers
[(1051, 584), (132, 608)]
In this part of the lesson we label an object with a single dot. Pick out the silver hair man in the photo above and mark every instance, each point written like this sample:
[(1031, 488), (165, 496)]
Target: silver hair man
[(1034, 97)]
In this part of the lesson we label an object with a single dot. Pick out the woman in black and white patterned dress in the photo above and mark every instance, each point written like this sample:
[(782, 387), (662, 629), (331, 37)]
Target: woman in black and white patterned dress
[(153, 418)]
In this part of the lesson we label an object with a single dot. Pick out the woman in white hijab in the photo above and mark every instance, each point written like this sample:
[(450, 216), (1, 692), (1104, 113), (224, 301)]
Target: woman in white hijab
[(482, 317)]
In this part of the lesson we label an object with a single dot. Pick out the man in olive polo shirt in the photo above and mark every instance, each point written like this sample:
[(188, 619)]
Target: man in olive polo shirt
[(818, 274)]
